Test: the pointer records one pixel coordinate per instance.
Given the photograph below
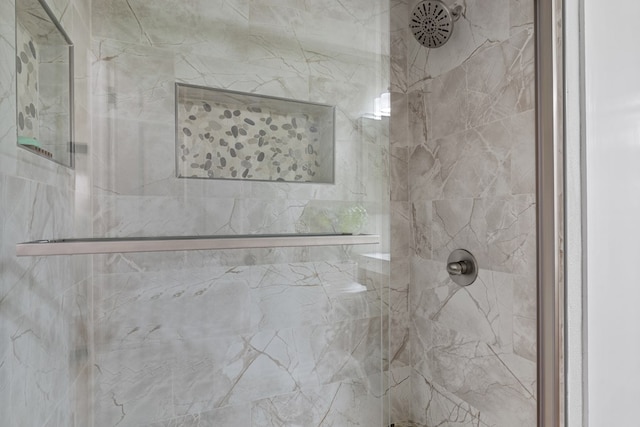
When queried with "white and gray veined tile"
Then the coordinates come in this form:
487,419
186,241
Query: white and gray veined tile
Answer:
132,309
228,416
352,403
482,376
482,311
399,339
473,163
132,81
292,295
492,85
399,135
134,386
421,226
500,232
399,166
400,394
434,405
525,317
521,15
142,151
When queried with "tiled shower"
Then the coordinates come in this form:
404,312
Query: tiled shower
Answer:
370,335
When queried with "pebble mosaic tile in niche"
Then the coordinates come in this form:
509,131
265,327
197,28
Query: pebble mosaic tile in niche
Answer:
27,75
227,135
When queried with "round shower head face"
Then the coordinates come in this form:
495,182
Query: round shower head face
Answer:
431,23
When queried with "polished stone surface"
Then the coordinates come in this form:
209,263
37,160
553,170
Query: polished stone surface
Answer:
470,136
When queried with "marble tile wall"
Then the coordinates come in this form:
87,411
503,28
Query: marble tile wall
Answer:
286,343
44,302
462,168
281,337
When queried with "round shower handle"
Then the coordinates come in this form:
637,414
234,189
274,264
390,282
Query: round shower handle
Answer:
462,267
458,268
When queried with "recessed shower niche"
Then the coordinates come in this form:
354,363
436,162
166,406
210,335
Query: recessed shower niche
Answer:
222,134
44,56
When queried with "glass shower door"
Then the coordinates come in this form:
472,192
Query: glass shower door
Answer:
218,119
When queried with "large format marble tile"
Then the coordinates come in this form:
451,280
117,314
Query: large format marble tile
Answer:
421,226
180,377
473,163
434,405
229,416
399,321
355,403
481,311
399,160
499,232
481,375
492,85
132,81
401,396
142,152
525,317
399,33
399,135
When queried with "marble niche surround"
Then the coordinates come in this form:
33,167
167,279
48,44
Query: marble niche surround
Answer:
462,138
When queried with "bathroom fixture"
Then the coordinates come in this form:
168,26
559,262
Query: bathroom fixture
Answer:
432,22
462,267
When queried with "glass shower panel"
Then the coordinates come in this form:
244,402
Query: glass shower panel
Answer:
244,336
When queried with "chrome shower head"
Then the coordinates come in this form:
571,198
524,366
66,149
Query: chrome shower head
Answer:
432,22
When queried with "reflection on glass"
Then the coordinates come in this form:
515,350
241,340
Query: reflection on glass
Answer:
43,70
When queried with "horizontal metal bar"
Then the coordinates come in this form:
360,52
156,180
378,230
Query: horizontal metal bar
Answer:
188,243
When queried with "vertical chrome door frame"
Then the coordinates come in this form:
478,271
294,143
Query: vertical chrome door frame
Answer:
549,183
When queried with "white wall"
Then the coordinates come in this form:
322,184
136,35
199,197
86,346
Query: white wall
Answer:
612,108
